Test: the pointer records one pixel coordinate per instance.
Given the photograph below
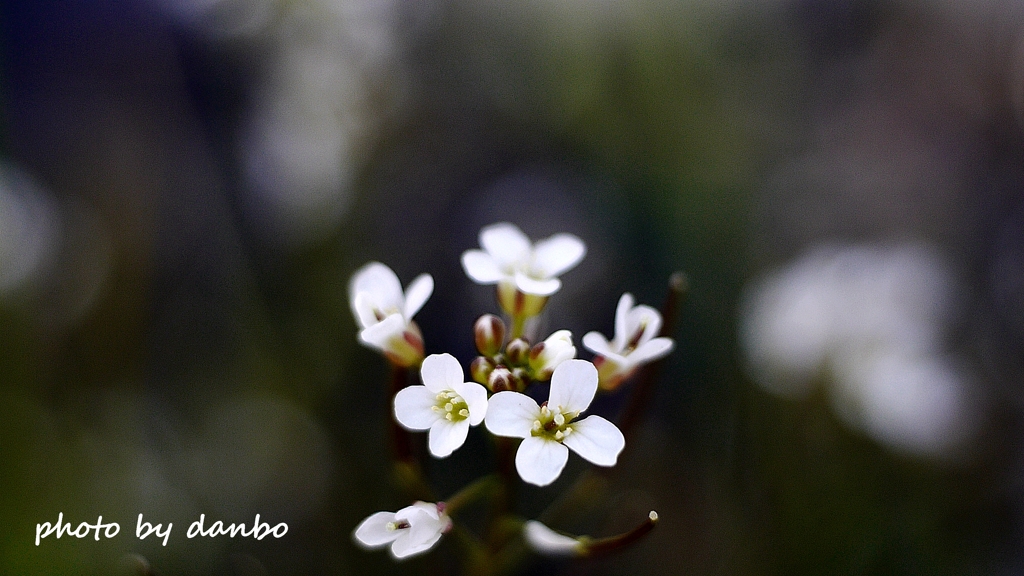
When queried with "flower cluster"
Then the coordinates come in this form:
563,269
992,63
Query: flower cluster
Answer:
446,405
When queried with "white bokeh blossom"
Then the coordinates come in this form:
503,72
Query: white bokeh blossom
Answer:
870,323
445,404
384,312
526,273
550,430
636,342
412,530
549,354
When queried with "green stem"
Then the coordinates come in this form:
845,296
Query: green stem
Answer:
471,493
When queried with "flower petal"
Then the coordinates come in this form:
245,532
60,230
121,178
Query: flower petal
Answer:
475,396
381,334
573,386
414,408
505,242
373,531
363,309
417,293
441,372
540,461
379,281
529,285
622,321
547,541
644,316
597,343
651,350
557,254
415,540
596,440
481,267
511,414
445,437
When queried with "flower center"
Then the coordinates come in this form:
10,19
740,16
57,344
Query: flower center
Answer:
400,525
553,424
635,340
452,406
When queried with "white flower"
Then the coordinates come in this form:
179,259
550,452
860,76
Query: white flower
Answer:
526,274
411,530
547,430
547,355
547,541
635,343
446,404
385,313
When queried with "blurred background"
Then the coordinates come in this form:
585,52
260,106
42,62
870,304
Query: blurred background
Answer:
187,185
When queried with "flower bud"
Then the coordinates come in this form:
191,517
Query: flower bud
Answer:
547,355
481,369
518,351
489,332
520,379
500,380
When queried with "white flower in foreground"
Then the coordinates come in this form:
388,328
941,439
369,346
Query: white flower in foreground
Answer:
549,354
636,342
546,541
411,530
547,430
446,404
526,273
385,313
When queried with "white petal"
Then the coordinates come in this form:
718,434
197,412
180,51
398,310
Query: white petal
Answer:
597,440
573,386
440,372
644,316
380,334
547,541
557,254
418,538
475,396
446,437
540,461
597,343
481,267
417,293
651,350
511,414
379,281
414,408
373,531
413,512
529,285
622,321
363,306
505,242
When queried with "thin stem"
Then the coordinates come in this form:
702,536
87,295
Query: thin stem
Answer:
471,493
401,441
602,546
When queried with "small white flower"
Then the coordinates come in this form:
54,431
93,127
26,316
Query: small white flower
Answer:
635,343
526,273
547,541
385,313
446,404
412,530
547,430
547,355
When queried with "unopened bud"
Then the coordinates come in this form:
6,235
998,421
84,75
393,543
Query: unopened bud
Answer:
481,369
500,380
489,332
518,351
520,379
